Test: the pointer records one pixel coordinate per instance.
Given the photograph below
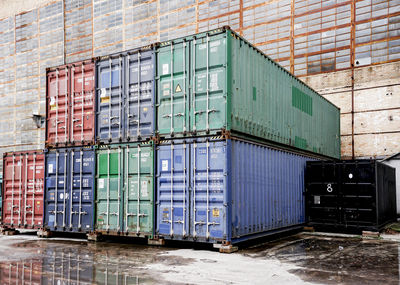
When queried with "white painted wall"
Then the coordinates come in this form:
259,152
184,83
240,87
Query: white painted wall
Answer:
395,162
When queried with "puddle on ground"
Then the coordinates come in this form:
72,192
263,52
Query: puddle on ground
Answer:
336,260
66,262
311,259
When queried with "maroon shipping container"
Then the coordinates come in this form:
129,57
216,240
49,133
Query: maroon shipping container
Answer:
23,189
70,105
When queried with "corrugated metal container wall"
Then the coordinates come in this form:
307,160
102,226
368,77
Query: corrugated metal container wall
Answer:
21,272
121,117
70,105
23,189
69,193
355,195
125,189
227,190
216,81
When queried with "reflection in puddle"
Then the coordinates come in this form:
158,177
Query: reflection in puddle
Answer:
72,264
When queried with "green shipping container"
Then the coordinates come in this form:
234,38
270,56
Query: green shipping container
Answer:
216,81
125,189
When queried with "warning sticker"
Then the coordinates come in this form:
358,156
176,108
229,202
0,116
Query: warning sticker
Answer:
317,200
178,89
104,98
53,105
215,212
164,165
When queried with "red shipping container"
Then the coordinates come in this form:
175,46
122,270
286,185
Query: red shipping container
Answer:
23,189
70,105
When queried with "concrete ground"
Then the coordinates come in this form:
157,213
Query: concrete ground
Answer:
298,259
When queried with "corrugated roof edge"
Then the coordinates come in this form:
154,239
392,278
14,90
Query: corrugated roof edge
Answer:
85,61
228,28
10,153
129,51
390,157
269,144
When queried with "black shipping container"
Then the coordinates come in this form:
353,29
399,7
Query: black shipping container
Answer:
357,195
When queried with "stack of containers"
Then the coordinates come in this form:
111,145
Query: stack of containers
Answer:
125,151
201,138
235,131
70,156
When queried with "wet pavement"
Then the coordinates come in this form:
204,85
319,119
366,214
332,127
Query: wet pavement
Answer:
299,259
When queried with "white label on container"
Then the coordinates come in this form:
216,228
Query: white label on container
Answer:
143,189
103,92
165,68
61,196
51,168
101,183
317,200
214,81
164,166
52,101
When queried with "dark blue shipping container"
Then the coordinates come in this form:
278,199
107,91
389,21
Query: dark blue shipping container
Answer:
69,189
214,190
125,96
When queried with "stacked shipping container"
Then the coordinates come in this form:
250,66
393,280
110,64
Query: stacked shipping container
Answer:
200,138
23,189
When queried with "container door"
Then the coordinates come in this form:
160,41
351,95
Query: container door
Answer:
358,193
139,206
140,100
173,86
208,214
34,203
173,190
110,96
82,179
323,193
57,107
57,192
109,190
82,104
208,111
13,189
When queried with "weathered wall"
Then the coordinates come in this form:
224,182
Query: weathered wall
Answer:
347,50
370,107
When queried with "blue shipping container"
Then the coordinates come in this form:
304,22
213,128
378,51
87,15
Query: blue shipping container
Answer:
227,190
69,189
120,80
